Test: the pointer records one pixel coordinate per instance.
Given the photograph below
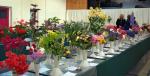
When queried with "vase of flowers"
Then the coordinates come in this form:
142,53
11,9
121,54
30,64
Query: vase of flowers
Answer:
99,41
121,38
84,44
97,19
35,56
53,43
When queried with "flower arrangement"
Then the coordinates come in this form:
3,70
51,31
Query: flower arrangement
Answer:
111,27
54,23
112,32
136,29
73,30
98,39
35,52
15,54
14,62
83,41
97,19
13,43
122,33
53,43
19,30
130,33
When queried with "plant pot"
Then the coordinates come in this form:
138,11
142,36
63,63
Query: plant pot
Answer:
84,62
56,71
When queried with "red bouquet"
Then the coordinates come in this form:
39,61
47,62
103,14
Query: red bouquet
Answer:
122,33
13,43
16,63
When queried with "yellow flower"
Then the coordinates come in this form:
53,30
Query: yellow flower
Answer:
77,38
102,41
68,52
51,33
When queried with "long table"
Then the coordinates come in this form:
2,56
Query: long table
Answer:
120,64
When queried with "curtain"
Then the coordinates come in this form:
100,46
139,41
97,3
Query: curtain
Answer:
142,14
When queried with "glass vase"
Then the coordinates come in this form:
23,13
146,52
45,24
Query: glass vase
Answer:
116,45
93,51
84,62
101,52
56,71
36,68
111,50
98,49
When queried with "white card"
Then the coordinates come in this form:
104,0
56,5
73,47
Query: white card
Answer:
90,60
69,74
93,64
43,70
109,56
72,68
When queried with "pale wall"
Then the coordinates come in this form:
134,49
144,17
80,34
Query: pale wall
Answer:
20,9
49,8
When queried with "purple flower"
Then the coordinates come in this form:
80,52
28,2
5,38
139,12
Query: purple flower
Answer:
36,55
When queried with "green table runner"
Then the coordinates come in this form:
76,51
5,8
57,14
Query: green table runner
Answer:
120,64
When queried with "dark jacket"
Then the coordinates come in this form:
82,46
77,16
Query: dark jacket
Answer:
127,25
120,22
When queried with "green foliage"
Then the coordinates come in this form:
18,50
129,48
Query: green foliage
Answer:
53,43
76,29
96,23
109,19
54,20
36,33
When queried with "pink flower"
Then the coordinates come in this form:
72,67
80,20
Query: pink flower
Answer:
111,27
97,38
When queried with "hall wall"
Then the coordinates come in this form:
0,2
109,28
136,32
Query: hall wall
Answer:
20,9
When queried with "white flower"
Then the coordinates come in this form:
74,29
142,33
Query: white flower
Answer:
28,39
42,50
27,47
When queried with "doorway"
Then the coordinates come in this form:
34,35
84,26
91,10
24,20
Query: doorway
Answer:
4,17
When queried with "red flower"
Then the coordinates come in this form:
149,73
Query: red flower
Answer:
34,46
13,43
17,63
121,32
1,32
11,30
111,27
20,30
